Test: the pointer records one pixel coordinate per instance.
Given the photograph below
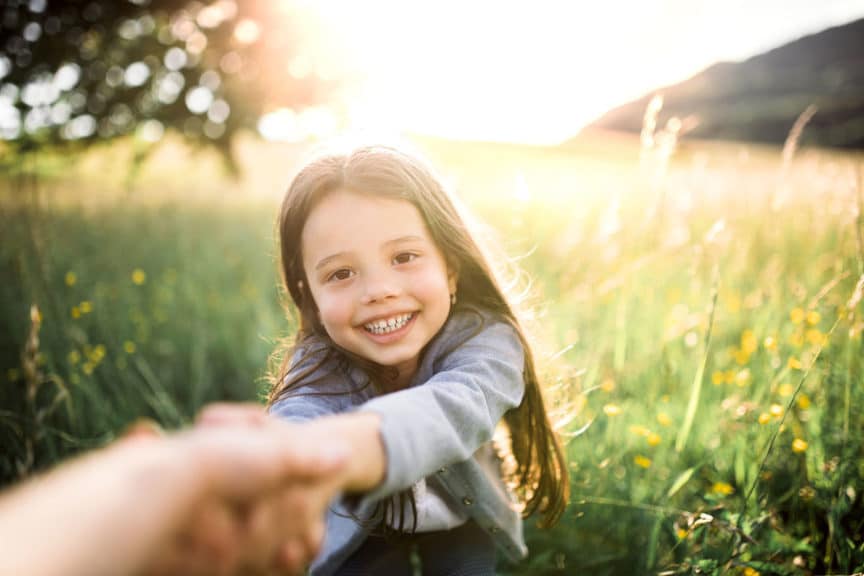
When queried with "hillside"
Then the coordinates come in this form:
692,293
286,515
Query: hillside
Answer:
759,99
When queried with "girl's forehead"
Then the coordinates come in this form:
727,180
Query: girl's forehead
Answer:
345,219
370,204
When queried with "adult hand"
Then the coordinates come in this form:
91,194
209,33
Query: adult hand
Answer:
296,513
276,527
128,508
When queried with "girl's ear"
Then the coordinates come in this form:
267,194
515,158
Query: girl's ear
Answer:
452,278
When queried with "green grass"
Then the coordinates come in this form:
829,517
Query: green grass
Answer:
624,267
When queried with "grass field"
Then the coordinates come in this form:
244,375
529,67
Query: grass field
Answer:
696,315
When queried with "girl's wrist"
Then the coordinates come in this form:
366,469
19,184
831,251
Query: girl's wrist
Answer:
361,432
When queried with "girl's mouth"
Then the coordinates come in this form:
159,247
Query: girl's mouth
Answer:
389,325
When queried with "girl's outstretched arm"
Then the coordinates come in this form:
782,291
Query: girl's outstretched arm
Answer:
398,438
452,414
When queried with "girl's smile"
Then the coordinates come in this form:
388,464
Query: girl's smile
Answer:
380,284
390,326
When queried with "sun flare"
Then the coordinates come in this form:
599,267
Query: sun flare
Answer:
503,71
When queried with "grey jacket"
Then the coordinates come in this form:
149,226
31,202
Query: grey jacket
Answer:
469,376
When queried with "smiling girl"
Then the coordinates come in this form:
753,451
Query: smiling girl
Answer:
406,335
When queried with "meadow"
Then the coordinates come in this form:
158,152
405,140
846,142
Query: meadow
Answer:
696,311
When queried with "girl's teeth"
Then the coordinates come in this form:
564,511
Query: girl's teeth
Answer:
389,325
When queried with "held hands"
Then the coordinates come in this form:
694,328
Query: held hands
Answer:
261,510
295,514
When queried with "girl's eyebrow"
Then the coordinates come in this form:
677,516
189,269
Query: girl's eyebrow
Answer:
402,239
324,261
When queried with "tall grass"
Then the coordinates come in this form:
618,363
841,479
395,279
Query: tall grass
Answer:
155,307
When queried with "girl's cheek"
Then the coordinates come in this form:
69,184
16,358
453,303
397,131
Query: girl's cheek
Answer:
333,313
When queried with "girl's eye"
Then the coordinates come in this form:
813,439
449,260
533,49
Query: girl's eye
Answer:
404,257
341,274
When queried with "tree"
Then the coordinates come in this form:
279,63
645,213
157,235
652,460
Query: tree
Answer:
76,72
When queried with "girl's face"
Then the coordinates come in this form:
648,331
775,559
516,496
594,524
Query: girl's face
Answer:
381,285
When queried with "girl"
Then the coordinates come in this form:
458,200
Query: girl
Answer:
405,331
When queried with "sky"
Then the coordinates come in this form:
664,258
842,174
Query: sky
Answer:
536,72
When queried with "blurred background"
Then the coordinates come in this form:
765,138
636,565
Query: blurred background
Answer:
680,184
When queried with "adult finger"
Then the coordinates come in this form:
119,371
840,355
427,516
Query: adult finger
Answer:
143,428
291,558
227,413
215,532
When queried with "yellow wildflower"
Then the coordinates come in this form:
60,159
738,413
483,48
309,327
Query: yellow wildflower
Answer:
76,312
794,363
87,368
815,337
813,317
681,533
608,385
86,307
70,278
797,339
799,446
129,347
749,343
786,390
797,315
776,410
642,461
74,357
722,488
654,439
748,571
764,418
639,430
612,409
729,376
97,354
770,344
663,419
717,377
138,277
741,357
742,378
803,402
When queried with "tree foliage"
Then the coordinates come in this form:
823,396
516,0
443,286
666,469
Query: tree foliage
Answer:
76,72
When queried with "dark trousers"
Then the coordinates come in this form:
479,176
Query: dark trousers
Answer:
463,551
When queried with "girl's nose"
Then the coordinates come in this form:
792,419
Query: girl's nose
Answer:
379,288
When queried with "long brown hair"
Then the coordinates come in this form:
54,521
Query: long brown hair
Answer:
540,477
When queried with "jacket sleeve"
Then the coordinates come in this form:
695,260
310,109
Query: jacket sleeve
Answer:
302,406
318,394
448,417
